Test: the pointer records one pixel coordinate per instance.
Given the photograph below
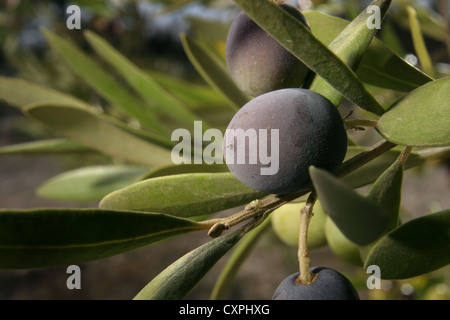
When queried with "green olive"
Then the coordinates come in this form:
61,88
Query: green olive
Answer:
341,245
286,224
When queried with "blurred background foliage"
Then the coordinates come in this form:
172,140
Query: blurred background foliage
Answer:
148,33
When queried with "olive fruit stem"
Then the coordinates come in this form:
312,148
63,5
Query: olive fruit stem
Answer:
306,213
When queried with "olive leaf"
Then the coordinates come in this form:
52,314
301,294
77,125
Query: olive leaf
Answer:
21,93
184,195
350,46
195,96
47,146
297,39
141,82
183,168
90,183
419,42
360,219
379,66
237,258
386,191
178,279
48,237
418,246
421,118
96,132
94,75
369,172
214,73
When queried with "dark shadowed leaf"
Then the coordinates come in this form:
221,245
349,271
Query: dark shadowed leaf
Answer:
361,220
178,279
48,237
237,258
417,247
369,172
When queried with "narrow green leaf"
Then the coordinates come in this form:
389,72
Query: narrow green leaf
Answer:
379,66
213,72
350,46
211,33
178,279
95,132
184,195
369,172
361,220
49,237
49,146
195,96
298,40
417,247
421,118
90,183
103,83
237,258
432,23
184,168
141,82
20,93
386,191
419,42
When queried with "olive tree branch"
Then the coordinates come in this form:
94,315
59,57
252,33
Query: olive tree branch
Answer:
259,209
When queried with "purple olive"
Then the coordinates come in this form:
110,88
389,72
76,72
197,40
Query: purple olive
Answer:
328,284
256,62
273,139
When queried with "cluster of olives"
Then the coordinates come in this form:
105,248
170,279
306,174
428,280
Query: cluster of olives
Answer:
309,129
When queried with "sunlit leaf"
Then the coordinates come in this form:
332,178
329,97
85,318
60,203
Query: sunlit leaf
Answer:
20,93
49,237
184,168
421,118
184,195
104,83
48,146
90,183
141,82
97,133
